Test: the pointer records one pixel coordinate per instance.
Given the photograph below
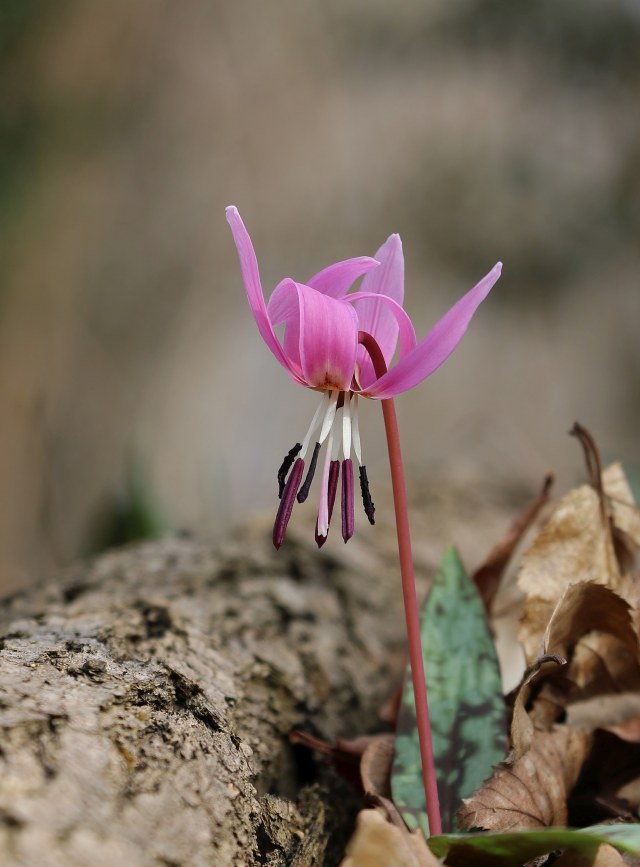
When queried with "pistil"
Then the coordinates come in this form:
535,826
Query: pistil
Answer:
348,515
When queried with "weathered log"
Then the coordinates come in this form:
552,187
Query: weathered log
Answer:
146,699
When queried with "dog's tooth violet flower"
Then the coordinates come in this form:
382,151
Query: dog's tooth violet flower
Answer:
320,349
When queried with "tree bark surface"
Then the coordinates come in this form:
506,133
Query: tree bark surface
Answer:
147,696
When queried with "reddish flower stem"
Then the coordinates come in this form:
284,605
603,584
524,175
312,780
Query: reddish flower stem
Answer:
408,591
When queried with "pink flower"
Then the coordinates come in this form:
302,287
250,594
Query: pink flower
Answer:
320,350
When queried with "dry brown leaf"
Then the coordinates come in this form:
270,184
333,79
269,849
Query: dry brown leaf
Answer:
375,766
619,714
522,727
574,545
584,608
591,630
377,843
592,627
533,791
488,576
594,529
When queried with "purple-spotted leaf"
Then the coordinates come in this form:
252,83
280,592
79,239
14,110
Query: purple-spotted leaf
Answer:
465,701
511,849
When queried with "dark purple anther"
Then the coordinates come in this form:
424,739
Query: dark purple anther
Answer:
285,467
332,485
303,493
367,502
286,502
348,515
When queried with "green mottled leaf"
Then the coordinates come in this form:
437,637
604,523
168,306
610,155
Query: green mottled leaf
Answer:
465,701
517,847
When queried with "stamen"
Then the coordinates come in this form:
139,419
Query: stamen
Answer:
367,502
303,493
348,516
329,416
355,428
315,421
286,503
286,466
346,428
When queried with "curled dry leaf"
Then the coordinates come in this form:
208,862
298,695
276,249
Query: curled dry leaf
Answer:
375,766
487,577
532,792
575,545
586,607
377,843
590,647
521,723
591,537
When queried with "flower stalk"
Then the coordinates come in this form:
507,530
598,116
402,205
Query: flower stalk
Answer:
409,594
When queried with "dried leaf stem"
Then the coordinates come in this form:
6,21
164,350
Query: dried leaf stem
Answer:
412,613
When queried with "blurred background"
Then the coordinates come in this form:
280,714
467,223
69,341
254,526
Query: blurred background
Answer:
135,392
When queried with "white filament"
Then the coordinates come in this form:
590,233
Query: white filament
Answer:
329,416
346,427
315,421
355,430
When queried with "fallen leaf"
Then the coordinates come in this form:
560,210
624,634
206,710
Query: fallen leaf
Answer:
591,629
466,705
619,714
375,766
487,577
377,843
522,728
574,546
586,607
533,791
591,537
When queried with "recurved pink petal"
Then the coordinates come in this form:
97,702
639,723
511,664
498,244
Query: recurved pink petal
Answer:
376,317
284,307
253,287
337,279
328,339
436,347
388,279
403,328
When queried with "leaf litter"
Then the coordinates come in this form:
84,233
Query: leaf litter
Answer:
565,789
